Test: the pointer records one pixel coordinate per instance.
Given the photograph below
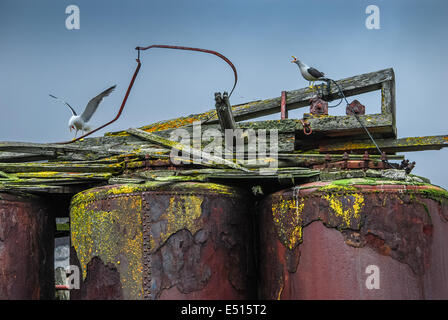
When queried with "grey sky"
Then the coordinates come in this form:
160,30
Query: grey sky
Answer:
38,56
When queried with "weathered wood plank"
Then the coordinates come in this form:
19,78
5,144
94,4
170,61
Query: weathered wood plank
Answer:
47,182
60,167
300,98
49,151
42,189
25,157
387,145
65,175
295,99
379,125
198,154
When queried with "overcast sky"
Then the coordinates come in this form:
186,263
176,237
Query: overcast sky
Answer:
39,55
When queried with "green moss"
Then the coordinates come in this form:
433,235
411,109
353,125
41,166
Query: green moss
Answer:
438,194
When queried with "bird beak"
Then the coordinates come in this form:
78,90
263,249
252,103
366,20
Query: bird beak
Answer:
70,129
295,59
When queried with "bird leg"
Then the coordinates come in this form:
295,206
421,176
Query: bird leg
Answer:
311,84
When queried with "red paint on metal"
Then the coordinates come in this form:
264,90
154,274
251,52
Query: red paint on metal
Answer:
102,283
355,108
61,287
26,248
284,111
398,230
318,107
352,164
214,261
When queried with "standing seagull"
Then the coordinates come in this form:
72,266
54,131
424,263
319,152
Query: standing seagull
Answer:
80,122
309,73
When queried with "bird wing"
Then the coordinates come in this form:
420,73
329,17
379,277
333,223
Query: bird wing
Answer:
60,100
315,73
93,104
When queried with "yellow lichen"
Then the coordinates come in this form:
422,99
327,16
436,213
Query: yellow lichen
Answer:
355,203
287,216
113,236
183,212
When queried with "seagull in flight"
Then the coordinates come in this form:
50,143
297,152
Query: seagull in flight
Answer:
309,73
79,122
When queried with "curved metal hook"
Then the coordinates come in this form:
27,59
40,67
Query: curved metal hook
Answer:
196,49
135,75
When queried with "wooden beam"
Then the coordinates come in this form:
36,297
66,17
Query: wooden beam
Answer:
65,175
387,145
43,189
25,157
48,149
197,154
294,99
300,98
59,167
379,125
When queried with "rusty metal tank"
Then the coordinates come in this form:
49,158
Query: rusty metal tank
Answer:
26,248
163,241
354,239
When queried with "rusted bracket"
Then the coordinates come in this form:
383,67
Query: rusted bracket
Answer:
224,111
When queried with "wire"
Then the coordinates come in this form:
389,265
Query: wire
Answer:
341,93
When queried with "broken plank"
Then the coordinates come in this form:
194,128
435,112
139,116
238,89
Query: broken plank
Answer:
65,175
25,157
197,154
50,148
42,189
59,167
48,182
387,145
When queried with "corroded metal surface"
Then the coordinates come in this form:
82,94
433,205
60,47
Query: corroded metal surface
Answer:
26,248
355,108
318,106
164,241
316,241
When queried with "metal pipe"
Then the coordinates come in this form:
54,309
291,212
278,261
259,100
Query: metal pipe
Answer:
196,49
135,75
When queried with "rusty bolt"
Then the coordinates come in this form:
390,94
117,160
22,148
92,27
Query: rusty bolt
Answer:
355,108
318,106
366,156
410,167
